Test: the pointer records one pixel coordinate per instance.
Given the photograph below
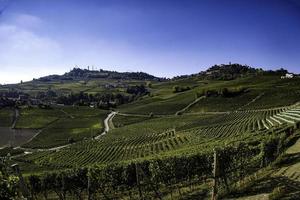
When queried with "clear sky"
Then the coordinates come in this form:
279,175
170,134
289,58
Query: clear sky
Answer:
161,37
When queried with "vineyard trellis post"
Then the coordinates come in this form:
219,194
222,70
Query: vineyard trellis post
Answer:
138,182
22,184
214,195
89,187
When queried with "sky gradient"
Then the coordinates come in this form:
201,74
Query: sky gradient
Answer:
162,37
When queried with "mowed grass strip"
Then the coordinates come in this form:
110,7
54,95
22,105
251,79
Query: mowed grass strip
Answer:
124,120
158,105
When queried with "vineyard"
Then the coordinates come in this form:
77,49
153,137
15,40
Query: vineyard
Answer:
146,149
165,175
144,139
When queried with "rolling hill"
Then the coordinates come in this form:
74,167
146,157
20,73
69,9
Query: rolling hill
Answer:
163,137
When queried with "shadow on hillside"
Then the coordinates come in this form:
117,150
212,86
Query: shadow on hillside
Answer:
289,159
268,184
201,195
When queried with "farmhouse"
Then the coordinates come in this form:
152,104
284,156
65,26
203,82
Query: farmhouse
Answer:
287,76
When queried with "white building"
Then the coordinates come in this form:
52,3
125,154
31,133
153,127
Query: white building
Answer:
287,76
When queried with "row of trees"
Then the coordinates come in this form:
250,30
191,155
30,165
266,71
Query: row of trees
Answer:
5,102
177,89
103,100
223,92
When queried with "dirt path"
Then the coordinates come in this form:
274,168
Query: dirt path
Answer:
107,121
68,114
252,101
190,105
15,118
41,130
111,123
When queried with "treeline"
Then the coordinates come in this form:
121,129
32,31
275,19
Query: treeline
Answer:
103,100
232,71
223,92
5,102
152,178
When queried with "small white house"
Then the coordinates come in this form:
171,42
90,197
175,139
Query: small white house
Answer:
287,76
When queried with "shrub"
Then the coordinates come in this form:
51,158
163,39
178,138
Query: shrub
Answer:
277,193
8,183
178,89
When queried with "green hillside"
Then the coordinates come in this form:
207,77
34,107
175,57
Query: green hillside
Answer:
163,140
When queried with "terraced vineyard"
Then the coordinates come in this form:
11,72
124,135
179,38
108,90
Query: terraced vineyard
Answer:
108,150
145,139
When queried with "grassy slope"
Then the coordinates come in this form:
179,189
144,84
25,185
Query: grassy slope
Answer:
120,121
284,93
35,118
6,117
261,88
75,123
163,100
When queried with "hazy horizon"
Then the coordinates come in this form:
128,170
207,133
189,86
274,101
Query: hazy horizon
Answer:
162,38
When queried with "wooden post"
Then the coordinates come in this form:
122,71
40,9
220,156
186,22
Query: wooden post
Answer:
138,182
297,125
22,184
214,195
89,188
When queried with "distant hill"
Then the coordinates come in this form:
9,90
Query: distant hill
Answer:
233,71
85,74
106,89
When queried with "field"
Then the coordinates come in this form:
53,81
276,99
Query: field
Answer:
9,136
6,116
61,124
45,128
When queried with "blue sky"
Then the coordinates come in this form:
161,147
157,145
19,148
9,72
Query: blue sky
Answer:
161,37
